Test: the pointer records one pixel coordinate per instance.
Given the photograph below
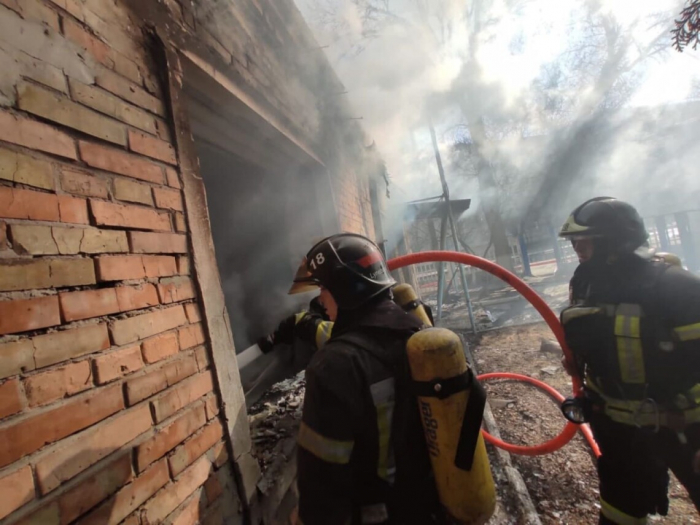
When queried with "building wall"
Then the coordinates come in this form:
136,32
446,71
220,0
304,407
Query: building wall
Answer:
110,403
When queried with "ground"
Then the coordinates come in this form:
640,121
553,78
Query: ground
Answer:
563,485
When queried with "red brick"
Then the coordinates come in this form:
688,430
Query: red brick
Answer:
143,242
180,224
202,357
34,10
151,147
118,364
68,380
218,454
23,437
129,498
189,512
87,304
85,184
129,92
35,135
175,289
73,210
80,36
160,347
29,314
195,447
192,311
145,386
134,519
191,335
125,331
212,406
183,394
56,347
136,297
117,161
126,216
16,203
131,191
169,437
95,489
213,488
17,489
16,357
183,265
27,274
11,398
173,178
126,67
159,265
168,199
71,457
3,236
167,500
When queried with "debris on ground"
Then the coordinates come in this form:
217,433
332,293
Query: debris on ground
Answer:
563,485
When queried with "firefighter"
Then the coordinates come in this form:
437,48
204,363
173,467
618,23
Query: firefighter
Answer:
362,456
633,327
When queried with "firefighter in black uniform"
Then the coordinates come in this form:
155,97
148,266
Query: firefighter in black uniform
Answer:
634,331
362,456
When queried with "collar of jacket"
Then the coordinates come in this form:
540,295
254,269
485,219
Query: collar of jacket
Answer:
382,314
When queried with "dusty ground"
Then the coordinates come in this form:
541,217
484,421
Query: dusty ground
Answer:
564,484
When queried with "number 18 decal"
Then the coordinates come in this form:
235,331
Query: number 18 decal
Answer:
317,261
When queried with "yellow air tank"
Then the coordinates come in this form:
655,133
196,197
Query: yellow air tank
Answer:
670,258
444,385
406,297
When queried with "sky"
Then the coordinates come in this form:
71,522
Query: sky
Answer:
389,81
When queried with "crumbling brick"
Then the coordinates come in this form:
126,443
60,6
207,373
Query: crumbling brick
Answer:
129,92
168,199
46,387
183,265
195,447
144,242
169,437
191,336
193,314
180,224
73,210
95,489
218,454
189,511
22,315
126,216
35,135
11,398
59,109
118,364
182,395
27,170
128,499
79,183
166,501
125,190
26,274
136,297
121,268
17,489
202,357
125,331
140,388
175,289
151,147
16,203
160,347
17,357
55,240
29,434
91,44
117,161
159,265
212,406
109,104
126,68
56,347
173,178
69,459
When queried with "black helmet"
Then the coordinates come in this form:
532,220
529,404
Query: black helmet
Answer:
351,267
615,221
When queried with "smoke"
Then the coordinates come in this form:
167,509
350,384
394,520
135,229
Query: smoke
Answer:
560,100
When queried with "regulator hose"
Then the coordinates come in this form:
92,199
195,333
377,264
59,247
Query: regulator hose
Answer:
550,318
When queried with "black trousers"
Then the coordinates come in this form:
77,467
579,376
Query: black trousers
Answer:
633,468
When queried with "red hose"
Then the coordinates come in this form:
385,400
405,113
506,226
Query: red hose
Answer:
550,318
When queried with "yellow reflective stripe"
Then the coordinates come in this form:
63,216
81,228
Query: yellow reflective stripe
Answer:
298,317
629,346
578,311
323,333
688,332
325,449
383,395
618,516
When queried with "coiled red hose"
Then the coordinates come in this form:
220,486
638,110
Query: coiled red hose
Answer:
550,318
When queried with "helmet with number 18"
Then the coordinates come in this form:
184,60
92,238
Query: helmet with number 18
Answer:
350,266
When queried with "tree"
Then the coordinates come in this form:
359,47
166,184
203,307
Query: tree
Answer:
687,30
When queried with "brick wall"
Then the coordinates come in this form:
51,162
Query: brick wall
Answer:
108,408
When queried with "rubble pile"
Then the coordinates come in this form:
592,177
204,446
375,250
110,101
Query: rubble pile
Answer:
274,421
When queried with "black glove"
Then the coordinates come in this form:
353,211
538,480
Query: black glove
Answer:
266,344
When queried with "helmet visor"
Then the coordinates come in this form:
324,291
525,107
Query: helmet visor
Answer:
303,280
